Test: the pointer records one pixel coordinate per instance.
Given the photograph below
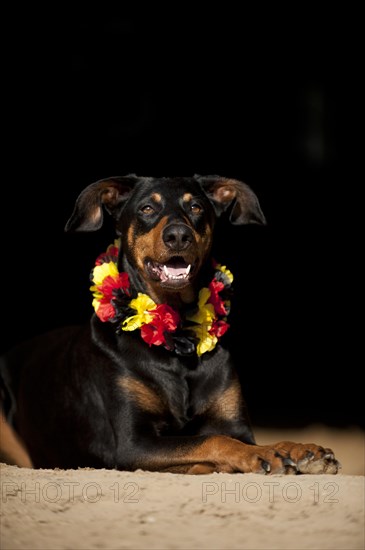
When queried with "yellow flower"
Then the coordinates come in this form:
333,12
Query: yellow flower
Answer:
205,314
141,304
102,271
226,271
207,342
96,300
204,318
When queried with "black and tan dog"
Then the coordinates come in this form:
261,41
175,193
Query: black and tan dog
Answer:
100,396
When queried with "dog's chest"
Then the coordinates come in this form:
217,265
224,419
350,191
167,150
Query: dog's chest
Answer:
174,393
186,399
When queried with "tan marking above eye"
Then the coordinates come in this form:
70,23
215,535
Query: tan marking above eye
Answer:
156,197
187,197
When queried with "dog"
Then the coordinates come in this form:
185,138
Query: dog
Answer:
148,383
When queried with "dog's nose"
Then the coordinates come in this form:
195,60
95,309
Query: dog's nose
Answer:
177,236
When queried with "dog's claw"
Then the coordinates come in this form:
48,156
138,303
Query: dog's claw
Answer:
289,462
266,466
329,456
289,466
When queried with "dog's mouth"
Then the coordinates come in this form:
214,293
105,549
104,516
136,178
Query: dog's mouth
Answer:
174,273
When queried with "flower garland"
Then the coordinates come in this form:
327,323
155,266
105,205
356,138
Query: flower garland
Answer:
198,331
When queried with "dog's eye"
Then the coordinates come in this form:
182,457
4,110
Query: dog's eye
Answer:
147,209
195,208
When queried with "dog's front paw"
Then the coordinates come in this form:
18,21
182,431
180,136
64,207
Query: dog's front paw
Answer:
310,458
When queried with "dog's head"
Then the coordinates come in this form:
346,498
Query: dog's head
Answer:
165,224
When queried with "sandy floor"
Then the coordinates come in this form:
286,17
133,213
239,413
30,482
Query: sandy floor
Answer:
106,509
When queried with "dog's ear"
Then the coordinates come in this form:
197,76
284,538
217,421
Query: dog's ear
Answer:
225,193
110,193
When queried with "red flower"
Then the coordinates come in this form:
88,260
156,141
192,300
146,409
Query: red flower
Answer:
110,283
167,316
105,311
219,328
153,334
123,282
215,287
165,319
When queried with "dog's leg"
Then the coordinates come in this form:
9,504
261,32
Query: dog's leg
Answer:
200,454
219,453
12,450
206,454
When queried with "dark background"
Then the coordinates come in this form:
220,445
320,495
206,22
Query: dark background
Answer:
269,99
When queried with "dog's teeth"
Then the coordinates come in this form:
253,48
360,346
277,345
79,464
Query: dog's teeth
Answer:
168,272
